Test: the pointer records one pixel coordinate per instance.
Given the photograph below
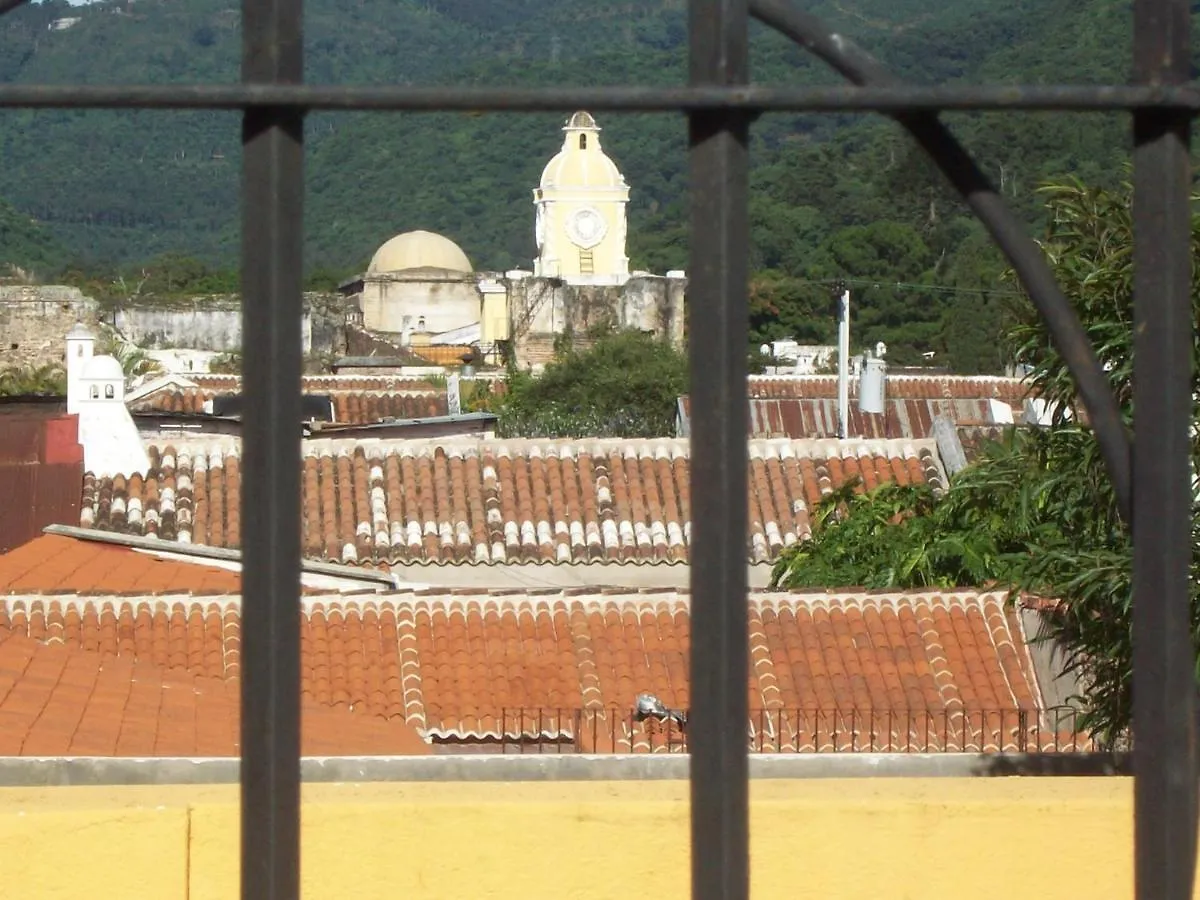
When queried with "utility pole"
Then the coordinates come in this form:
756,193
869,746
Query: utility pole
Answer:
843,301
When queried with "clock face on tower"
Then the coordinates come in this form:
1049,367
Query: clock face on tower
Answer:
586,228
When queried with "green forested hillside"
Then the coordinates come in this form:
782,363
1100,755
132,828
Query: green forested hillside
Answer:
25,245
834,196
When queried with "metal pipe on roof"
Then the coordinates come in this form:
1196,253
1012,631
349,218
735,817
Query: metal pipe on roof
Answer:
844,364
201,551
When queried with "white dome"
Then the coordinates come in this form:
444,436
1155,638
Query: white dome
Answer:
419,250
581,168
80,331
103,368
582,162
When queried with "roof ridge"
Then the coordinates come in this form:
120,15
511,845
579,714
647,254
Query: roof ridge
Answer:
505,596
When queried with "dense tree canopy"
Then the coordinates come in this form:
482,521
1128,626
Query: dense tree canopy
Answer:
1036,513
623,384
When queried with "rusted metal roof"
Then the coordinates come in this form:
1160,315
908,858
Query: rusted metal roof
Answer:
802,407
41,473
818,418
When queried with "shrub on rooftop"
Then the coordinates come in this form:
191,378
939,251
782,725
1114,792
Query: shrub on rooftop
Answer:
624,384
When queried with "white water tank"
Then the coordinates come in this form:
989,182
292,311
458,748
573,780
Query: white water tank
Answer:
871,385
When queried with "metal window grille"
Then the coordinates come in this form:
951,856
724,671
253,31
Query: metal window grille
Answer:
1153,487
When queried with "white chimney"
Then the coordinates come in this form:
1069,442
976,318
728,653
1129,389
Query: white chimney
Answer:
81,345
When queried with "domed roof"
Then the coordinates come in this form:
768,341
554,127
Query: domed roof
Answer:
582,162
103,367
79,330
582,168
581,121
419,250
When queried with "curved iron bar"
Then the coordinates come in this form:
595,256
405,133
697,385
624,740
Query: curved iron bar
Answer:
968,179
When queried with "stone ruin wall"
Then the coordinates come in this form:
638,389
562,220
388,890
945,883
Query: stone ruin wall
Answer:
215,323
35,319
543,308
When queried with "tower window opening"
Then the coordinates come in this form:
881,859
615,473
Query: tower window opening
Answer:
109,393
586,263
95,392
583,142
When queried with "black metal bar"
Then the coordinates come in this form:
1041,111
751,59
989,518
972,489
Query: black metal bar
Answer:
893,98
272,263
718,335
1164,681
973,185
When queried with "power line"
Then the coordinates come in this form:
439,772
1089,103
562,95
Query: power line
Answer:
907,286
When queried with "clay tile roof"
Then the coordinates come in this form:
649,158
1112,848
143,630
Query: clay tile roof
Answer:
55,564
914,661
61,700
323,384
830,671
498,502
350,407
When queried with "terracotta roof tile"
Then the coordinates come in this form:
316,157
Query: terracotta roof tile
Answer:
497,502
840,671
61,700
349,407
55,563
357,399
320,384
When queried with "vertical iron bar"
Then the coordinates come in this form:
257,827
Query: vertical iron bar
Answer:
1164,686
272,246
718,337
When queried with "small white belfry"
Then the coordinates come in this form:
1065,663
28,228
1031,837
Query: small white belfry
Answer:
80,346
96,394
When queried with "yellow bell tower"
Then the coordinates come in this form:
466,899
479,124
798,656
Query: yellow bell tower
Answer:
580,206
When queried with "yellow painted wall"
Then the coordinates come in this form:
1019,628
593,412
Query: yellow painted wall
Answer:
562,257
494,318
897,839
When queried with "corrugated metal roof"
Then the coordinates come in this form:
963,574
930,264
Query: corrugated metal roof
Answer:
802,418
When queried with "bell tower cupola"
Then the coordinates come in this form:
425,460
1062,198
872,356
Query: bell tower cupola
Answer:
580,209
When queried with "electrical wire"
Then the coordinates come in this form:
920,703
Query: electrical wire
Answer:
908,286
